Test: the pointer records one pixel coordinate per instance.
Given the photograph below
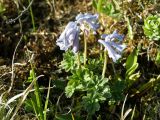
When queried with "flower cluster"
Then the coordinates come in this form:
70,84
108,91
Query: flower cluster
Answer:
70,36
88,22
113,47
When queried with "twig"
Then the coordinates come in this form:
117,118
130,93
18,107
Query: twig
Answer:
5,74
13,20
57,104
13,75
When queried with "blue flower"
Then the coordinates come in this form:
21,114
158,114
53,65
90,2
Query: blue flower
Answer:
114,48
69,38
88,21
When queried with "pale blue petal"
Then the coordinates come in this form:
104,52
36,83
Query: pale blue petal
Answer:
93,26
113,47
103,36
118,47
111,52
69,36
117,36
75,48
87,18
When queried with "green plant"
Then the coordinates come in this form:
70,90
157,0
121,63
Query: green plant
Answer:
35,101
11,105
69,61
97,89
152,27
85,76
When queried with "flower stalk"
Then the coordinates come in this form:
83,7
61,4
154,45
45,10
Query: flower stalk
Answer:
105,64
114,70
101,52
85,50
78,60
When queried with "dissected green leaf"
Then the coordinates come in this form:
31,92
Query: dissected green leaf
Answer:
68,62
69,90
90,105
97,89
152,27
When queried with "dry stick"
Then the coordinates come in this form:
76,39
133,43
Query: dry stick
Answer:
13,20
13,75
20,23
5,74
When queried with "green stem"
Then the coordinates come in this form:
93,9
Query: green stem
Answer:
114,70
38,97
99,6
47,99
85,50
101,49
105,64
79,61
32,17
39,109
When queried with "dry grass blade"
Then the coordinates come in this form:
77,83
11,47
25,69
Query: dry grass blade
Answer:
133,112
13,75
25,93
123,116
127,113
